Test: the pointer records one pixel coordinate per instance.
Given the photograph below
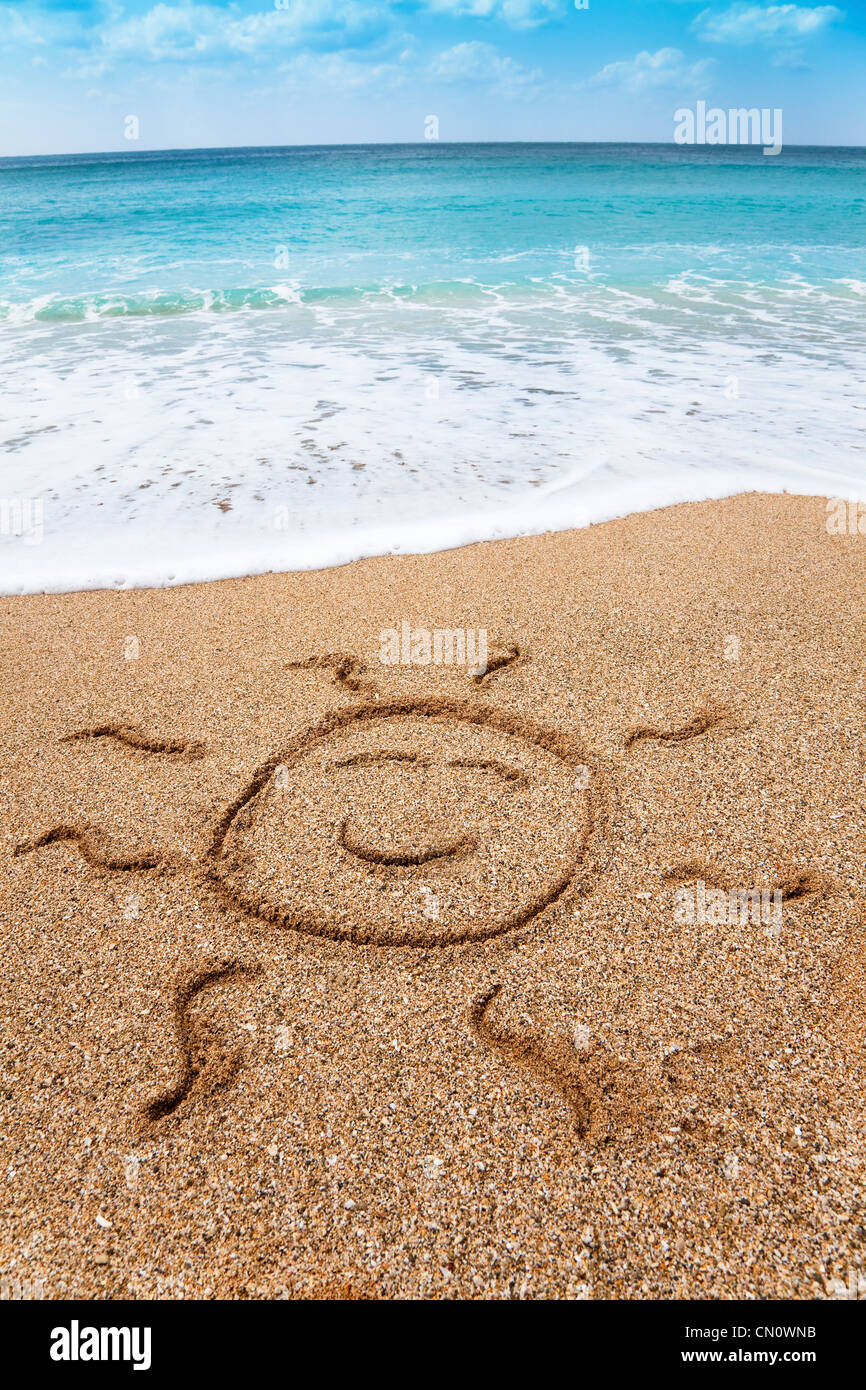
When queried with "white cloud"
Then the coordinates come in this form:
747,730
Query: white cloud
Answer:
190,31
104,32
744,24
479,62
518,14
665,68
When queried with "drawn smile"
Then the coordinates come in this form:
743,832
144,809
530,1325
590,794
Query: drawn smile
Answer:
406,858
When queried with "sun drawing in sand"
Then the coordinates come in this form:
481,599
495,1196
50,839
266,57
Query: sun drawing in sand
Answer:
474,824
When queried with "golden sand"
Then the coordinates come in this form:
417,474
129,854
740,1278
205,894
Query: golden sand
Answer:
329,977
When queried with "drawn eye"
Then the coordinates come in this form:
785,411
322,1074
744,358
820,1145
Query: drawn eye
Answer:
508,774
383,757
378,757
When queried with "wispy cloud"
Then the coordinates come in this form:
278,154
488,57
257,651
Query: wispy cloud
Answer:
668,67
196,30
750,24
196,33
481,64
171,32
518,14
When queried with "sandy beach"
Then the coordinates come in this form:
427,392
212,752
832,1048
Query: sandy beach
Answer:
329,976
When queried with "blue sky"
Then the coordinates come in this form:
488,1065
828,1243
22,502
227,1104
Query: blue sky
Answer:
208,73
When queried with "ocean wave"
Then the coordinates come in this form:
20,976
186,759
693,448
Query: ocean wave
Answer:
82,308
587,290
87,308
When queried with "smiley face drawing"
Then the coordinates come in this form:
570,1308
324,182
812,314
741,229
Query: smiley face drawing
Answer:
398,823
413,823
417,823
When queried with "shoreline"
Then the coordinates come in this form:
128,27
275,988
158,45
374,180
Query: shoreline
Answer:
564,507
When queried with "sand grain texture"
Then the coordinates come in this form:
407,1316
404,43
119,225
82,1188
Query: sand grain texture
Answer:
329,978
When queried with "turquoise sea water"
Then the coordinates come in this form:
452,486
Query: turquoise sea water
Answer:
173,231
436,335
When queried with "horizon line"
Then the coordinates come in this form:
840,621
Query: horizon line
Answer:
406,144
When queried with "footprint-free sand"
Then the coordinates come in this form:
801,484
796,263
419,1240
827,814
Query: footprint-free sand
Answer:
325,976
